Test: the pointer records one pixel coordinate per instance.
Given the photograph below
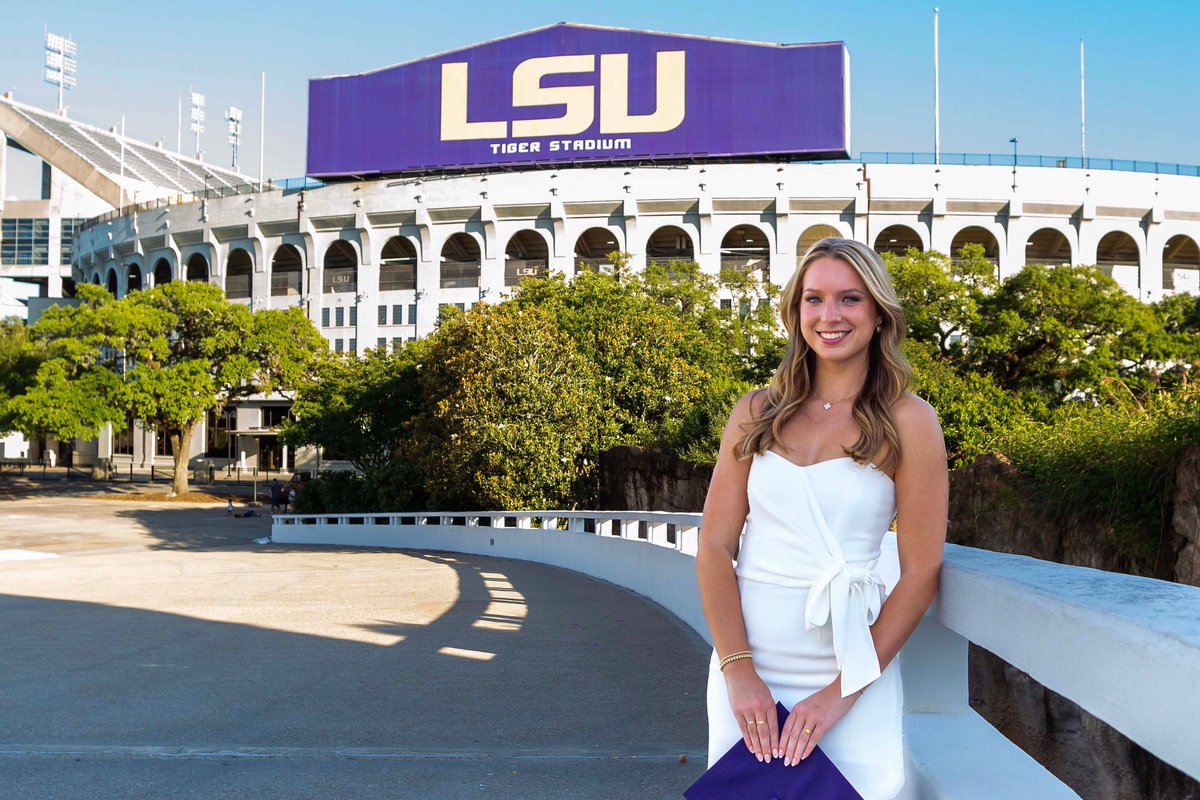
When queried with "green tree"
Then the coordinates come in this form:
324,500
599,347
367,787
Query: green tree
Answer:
749,333
512,415
699,437
166,356
1180,313
940,295
654,361
1180,318
1058,330
20,358
975,413
360,407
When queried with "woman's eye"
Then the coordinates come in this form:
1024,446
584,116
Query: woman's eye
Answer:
812,299
852,299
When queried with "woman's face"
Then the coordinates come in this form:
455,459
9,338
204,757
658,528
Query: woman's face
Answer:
838,315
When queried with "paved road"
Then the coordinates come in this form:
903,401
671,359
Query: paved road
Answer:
161,653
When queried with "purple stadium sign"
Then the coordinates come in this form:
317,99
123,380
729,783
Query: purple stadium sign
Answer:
575,93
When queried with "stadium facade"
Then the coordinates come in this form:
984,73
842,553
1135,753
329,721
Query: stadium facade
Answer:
446,180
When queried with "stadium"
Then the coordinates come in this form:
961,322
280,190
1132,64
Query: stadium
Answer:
446,180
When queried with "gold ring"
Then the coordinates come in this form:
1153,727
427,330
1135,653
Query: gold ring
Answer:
808,730
760,722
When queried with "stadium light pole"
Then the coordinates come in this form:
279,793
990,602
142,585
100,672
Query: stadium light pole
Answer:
233,115
197,124
61,65
204,199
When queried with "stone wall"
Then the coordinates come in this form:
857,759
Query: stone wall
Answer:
633,479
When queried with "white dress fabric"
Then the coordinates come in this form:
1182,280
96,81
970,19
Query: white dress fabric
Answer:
810,589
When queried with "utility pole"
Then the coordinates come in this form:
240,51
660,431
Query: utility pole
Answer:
937,95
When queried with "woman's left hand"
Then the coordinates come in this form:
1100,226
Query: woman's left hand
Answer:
810,720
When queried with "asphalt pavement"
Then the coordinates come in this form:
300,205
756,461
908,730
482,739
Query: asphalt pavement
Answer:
154,650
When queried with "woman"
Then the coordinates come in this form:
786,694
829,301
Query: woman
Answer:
816,466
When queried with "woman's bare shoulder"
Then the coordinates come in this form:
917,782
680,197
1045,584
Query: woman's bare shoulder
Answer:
913,410
917,424
749,405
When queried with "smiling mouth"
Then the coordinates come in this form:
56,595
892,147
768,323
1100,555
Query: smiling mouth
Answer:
833,336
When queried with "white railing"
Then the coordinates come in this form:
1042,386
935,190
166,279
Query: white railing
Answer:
1126,649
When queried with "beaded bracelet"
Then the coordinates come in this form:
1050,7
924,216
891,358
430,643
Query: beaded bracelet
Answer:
735,657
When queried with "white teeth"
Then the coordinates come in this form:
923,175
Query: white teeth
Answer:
830,337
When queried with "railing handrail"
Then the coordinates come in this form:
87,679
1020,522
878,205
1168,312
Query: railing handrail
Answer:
1123,647
1023,160
684,519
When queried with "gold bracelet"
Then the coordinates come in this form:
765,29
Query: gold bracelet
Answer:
735,657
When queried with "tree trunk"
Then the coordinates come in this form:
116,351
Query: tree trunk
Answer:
181,445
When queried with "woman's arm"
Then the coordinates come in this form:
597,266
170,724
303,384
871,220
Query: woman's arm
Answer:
922,506
922,502
725,510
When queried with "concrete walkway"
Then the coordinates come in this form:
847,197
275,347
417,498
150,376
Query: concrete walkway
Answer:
161,653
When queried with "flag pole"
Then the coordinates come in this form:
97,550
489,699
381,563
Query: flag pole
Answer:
1082,107
937,95
262,134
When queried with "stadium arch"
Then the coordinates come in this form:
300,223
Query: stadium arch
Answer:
899,237
526,255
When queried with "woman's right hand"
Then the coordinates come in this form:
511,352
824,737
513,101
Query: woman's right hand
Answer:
753,708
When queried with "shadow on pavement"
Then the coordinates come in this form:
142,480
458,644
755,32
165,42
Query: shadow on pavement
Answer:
529,660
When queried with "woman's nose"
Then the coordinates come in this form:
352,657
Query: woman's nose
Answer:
830,312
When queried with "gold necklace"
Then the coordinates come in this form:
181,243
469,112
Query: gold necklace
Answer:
828,405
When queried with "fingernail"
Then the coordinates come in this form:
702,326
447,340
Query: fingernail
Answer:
787,762
768,758
758,756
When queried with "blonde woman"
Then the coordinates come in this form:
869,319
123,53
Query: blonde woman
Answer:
816,466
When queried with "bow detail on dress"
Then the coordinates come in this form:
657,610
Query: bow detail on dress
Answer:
850,598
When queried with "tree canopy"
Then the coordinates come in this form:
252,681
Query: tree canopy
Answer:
20,357
1060,330
360,408
512,414
940,295
165,356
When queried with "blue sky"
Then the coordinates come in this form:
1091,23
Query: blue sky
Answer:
1008,68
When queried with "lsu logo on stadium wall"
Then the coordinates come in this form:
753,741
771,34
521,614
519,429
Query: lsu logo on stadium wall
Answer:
570,93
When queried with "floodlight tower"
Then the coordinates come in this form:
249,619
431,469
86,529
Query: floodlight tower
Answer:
197,126
233,115
61,65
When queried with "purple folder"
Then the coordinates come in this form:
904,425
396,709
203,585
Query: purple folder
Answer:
738,774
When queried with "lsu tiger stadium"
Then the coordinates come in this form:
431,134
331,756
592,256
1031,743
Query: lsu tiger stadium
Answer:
446,180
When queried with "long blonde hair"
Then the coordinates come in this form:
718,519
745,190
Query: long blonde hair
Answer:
888,372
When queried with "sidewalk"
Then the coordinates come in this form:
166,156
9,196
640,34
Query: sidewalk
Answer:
158,652
76,482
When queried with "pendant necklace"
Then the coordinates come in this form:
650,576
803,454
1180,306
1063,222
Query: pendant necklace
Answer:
829,405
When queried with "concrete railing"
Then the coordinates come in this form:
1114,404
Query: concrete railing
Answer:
1125,649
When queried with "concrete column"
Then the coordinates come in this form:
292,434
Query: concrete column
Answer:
3,168
704,237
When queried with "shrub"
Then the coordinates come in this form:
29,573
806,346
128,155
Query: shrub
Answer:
1113,463
334,493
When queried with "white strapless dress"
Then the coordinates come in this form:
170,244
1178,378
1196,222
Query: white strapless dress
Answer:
809,576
